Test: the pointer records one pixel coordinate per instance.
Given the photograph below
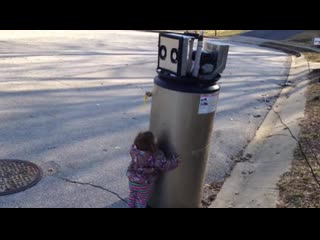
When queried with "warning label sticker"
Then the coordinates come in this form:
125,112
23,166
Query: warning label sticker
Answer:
208,103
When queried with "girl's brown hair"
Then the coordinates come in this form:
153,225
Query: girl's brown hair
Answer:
145,141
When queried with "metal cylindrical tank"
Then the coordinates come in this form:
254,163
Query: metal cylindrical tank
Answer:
182,115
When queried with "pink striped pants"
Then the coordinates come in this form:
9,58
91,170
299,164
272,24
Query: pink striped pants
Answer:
138,195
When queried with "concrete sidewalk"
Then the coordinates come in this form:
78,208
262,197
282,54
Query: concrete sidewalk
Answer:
253,182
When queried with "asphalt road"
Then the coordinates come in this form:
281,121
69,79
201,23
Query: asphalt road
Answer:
272,34
72,102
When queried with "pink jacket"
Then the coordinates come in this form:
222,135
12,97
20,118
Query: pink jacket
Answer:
145,166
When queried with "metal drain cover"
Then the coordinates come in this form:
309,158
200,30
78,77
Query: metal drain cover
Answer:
17,176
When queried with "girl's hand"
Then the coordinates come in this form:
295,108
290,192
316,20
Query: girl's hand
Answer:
178,159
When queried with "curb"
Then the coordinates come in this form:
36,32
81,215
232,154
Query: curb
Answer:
286,47
253,183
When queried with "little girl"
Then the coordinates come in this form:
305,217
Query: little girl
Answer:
147,162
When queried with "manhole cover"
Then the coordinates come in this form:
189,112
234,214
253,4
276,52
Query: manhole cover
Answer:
17,176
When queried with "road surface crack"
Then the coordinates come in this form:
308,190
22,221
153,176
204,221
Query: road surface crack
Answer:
95,186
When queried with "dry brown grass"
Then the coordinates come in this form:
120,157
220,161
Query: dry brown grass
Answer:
298,189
